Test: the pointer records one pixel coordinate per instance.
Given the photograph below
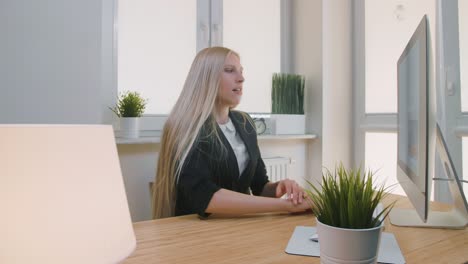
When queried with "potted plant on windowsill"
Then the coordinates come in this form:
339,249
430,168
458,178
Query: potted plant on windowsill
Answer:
129,108
287,104
344,204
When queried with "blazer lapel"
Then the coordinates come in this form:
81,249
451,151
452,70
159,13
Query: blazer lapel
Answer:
232,160
248,139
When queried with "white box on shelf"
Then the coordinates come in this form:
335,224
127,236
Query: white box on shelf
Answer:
287,124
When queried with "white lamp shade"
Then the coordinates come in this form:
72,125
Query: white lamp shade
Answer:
62,197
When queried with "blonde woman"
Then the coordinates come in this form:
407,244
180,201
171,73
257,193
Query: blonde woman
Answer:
209,160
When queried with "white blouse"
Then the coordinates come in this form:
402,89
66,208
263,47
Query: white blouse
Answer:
237,145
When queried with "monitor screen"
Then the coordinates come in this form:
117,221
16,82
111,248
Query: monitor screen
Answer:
412,119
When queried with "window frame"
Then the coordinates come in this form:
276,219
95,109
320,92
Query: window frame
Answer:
209,33
387,122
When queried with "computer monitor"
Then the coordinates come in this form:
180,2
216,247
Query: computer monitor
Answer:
418,138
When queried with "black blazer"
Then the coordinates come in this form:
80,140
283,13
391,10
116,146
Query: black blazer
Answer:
208,168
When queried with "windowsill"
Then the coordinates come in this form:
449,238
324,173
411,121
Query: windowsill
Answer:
285,137
140,140
157,139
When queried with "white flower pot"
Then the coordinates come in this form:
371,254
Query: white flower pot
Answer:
287,124
129,127
346,246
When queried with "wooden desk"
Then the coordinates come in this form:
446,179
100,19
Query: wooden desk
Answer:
263,239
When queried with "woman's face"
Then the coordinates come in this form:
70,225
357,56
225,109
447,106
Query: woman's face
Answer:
230,90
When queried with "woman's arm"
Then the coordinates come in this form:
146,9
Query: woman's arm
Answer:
228,202
269,189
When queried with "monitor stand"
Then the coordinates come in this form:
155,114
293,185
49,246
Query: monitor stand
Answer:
457,218
408,217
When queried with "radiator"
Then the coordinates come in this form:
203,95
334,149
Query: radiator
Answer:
277,168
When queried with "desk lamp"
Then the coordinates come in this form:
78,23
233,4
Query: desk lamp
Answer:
62,197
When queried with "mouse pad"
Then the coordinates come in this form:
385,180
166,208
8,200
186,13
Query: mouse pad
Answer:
300,244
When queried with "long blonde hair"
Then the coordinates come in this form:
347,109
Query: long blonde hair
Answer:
193,108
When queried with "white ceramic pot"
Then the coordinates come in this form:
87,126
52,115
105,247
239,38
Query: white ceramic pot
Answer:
129,127
287,124
348,246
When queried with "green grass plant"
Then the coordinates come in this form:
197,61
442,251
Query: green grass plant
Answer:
287,94
347,199
129,104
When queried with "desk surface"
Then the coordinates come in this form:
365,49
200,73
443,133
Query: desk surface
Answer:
263,239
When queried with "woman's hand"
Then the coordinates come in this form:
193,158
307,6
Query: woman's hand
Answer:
296,198
300,207
293,191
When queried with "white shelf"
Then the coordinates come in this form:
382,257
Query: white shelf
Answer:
140,140
157,140
285,137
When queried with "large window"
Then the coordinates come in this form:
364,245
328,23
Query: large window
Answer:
156,44
158,39
454,72
380,154
463,38
387,26
256,37
465,163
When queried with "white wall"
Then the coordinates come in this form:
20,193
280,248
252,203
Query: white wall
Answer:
51,59
337,129
307,60
139,162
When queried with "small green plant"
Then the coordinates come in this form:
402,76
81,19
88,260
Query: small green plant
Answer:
287,94
347,199
129,104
